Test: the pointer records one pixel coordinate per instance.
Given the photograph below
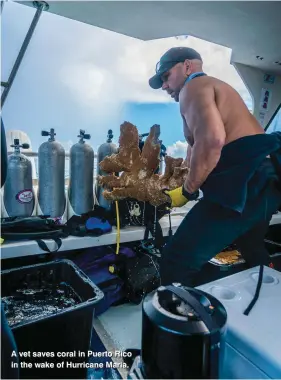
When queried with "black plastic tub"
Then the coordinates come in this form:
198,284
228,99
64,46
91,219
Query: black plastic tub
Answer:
50,309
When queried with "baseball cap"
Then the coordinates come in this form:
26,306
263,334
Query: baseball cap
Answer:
170,59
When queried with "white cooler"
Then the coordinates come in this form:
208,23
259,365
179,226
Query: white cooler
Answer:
253,342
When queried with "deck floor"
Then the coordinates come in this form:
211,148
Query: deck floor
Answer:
123,325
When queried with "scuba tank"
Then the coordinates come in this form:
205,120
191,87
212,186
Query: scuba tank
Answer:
161,168
51,181
163,154
106,149
80,191
4,154
18,198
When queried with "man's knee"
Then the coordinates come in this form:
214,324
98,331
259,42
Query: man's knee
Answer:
177,266
184,275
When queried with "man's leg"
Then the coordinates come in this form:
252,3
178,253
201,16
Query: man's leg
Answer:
206,230
252,247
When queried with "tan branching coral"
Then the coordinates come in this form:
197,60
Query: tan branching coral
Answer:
137,179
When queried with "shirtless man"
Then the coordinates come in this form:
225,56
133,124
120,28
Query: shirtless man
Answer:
227,157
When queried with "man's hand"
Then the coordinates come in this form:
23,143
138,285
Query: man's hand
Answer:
179,196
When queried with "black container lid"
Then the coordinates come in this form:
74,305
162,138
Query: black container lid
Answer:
185,310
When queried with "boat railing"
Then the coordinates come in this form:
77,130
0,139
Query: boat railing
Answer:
35,154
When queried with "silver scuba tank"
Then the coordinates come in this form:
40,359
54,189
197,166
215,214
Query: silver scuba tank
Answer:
106,149
81,177
18,198
51,178
163,154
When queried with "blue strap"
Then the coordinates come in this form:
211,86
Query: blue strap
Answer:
194,75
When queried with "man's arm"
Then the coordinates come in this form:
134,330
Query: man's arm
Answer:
186,162
208,132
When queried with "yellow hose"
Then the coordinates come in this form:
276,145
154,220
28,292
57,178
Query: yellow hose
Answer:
118,228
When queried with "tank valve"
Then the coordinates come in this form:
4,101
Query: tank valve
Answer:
52,134
17,145
109,136
84,135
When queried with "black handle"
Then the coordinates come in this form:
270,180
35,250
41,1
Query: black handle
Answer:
184,295
44,246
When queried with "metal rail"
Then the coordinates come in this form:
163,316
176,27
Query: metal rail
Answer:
35,154
40,5
2,6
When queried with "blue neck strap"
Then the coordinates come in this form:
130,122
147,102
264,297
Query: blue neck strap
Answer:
194,75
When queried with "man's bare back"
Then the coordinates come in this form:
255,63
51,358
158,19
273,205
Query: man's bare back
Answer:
237,120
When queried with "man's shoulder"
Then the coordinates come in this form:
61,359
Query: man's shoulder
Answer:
200,84
198,89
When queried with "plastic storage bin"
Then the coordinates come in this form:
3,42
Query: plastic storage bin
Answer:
66,329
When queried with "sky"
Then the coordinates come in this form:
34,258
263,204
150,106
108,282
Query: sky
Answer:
75,76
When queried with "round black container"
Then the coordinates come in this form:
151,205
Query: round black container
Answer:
182,334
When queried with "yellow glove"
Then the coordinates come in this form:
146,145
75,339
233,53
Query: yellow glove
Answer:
177,197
